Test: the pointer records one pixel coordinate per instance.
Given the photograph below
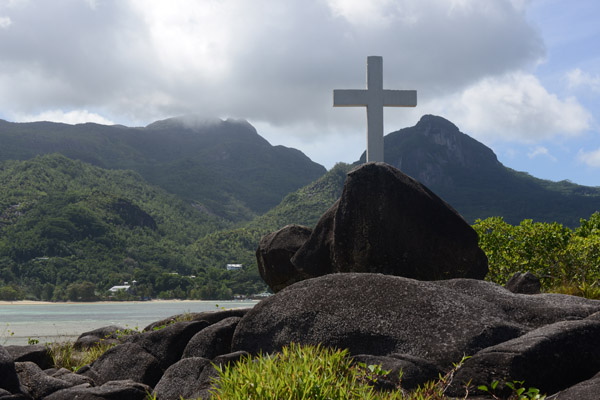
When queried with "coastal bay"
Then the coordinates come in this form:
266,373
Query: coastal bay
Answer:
49,322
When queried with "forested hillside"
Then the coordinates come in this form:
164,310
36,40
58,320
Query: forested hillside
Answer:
302,207
68,229
224,167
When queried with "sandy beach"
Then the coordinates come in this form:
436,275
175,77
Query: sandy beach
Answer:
35,302
48,321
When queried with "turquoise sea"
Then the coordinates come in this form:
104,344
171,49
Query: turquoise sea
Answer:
65,321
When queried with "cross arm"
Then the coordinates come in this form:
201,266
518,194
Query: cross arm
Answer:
400,98
350,97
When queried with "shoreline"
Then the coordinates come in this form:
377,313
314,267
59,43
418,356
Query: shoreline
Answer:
36,302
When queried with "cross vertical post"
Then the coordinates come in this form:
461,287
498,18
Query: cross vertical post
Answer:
374,98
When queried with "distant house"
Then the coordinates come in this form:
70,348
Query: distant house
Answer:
260,296
117,288
234,267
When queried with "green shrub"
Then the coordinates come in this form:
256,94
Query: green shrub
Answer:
313,372
566,261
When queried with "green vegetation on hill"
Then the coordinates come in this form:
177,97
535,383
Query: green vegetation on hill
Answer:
302,207
223,167
69,230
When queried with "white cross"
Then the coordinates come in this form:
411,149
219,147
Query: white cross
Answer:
374,98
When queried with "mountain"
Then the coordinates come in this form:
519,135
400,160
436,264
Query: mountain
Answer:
459,169
223,167
64,223
467,175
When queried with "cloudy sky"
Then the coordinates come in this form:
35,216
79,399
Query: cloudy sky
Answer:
521,76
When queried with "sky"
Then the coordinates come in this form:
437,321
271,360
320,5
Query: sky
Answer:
520,76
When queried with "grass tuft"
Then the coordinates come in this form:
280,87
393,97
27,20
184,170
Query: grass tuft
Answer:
64,354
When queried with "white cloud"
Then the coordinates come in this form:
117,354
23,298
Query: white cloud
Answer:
515,107
5,22
591,159
576,78
271,61
541,151
70,117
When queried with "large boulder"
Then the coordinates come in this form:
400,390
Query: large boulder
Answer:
550,358
111,334
381,315
586,390
182,379
9,379
274,254
125,361
212,341
36,383
526,283
36,353
384,222
167,344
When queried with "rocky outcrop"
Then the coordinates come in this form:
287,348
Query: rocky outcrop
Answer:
182,379
114,390
380,315
108,334
36,383
421,328
211,317
585,390
384,222
167,344
274,253
212,341
526,283
131,369
37,354
9,380
126,361
553,357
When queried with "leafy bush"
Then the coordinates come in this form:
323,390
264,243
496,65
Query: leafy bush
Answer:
565,260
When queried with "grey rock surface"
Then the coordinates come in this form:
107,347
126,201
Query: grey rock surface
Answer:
550,358
211,317
381,315
36,383
114,390
126,361
586,390
525,283
167,344
9,379
415,370
213,340
37,354
110,334
182,379
70,377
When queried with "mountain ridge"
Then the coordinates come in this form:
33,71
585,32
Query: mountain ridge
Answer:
467,174
224,166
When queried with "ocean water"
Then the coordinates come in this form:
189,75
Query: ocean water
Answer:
60,322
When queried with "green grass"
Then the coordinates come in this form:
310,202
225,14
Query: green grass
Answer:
64,354
313,372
